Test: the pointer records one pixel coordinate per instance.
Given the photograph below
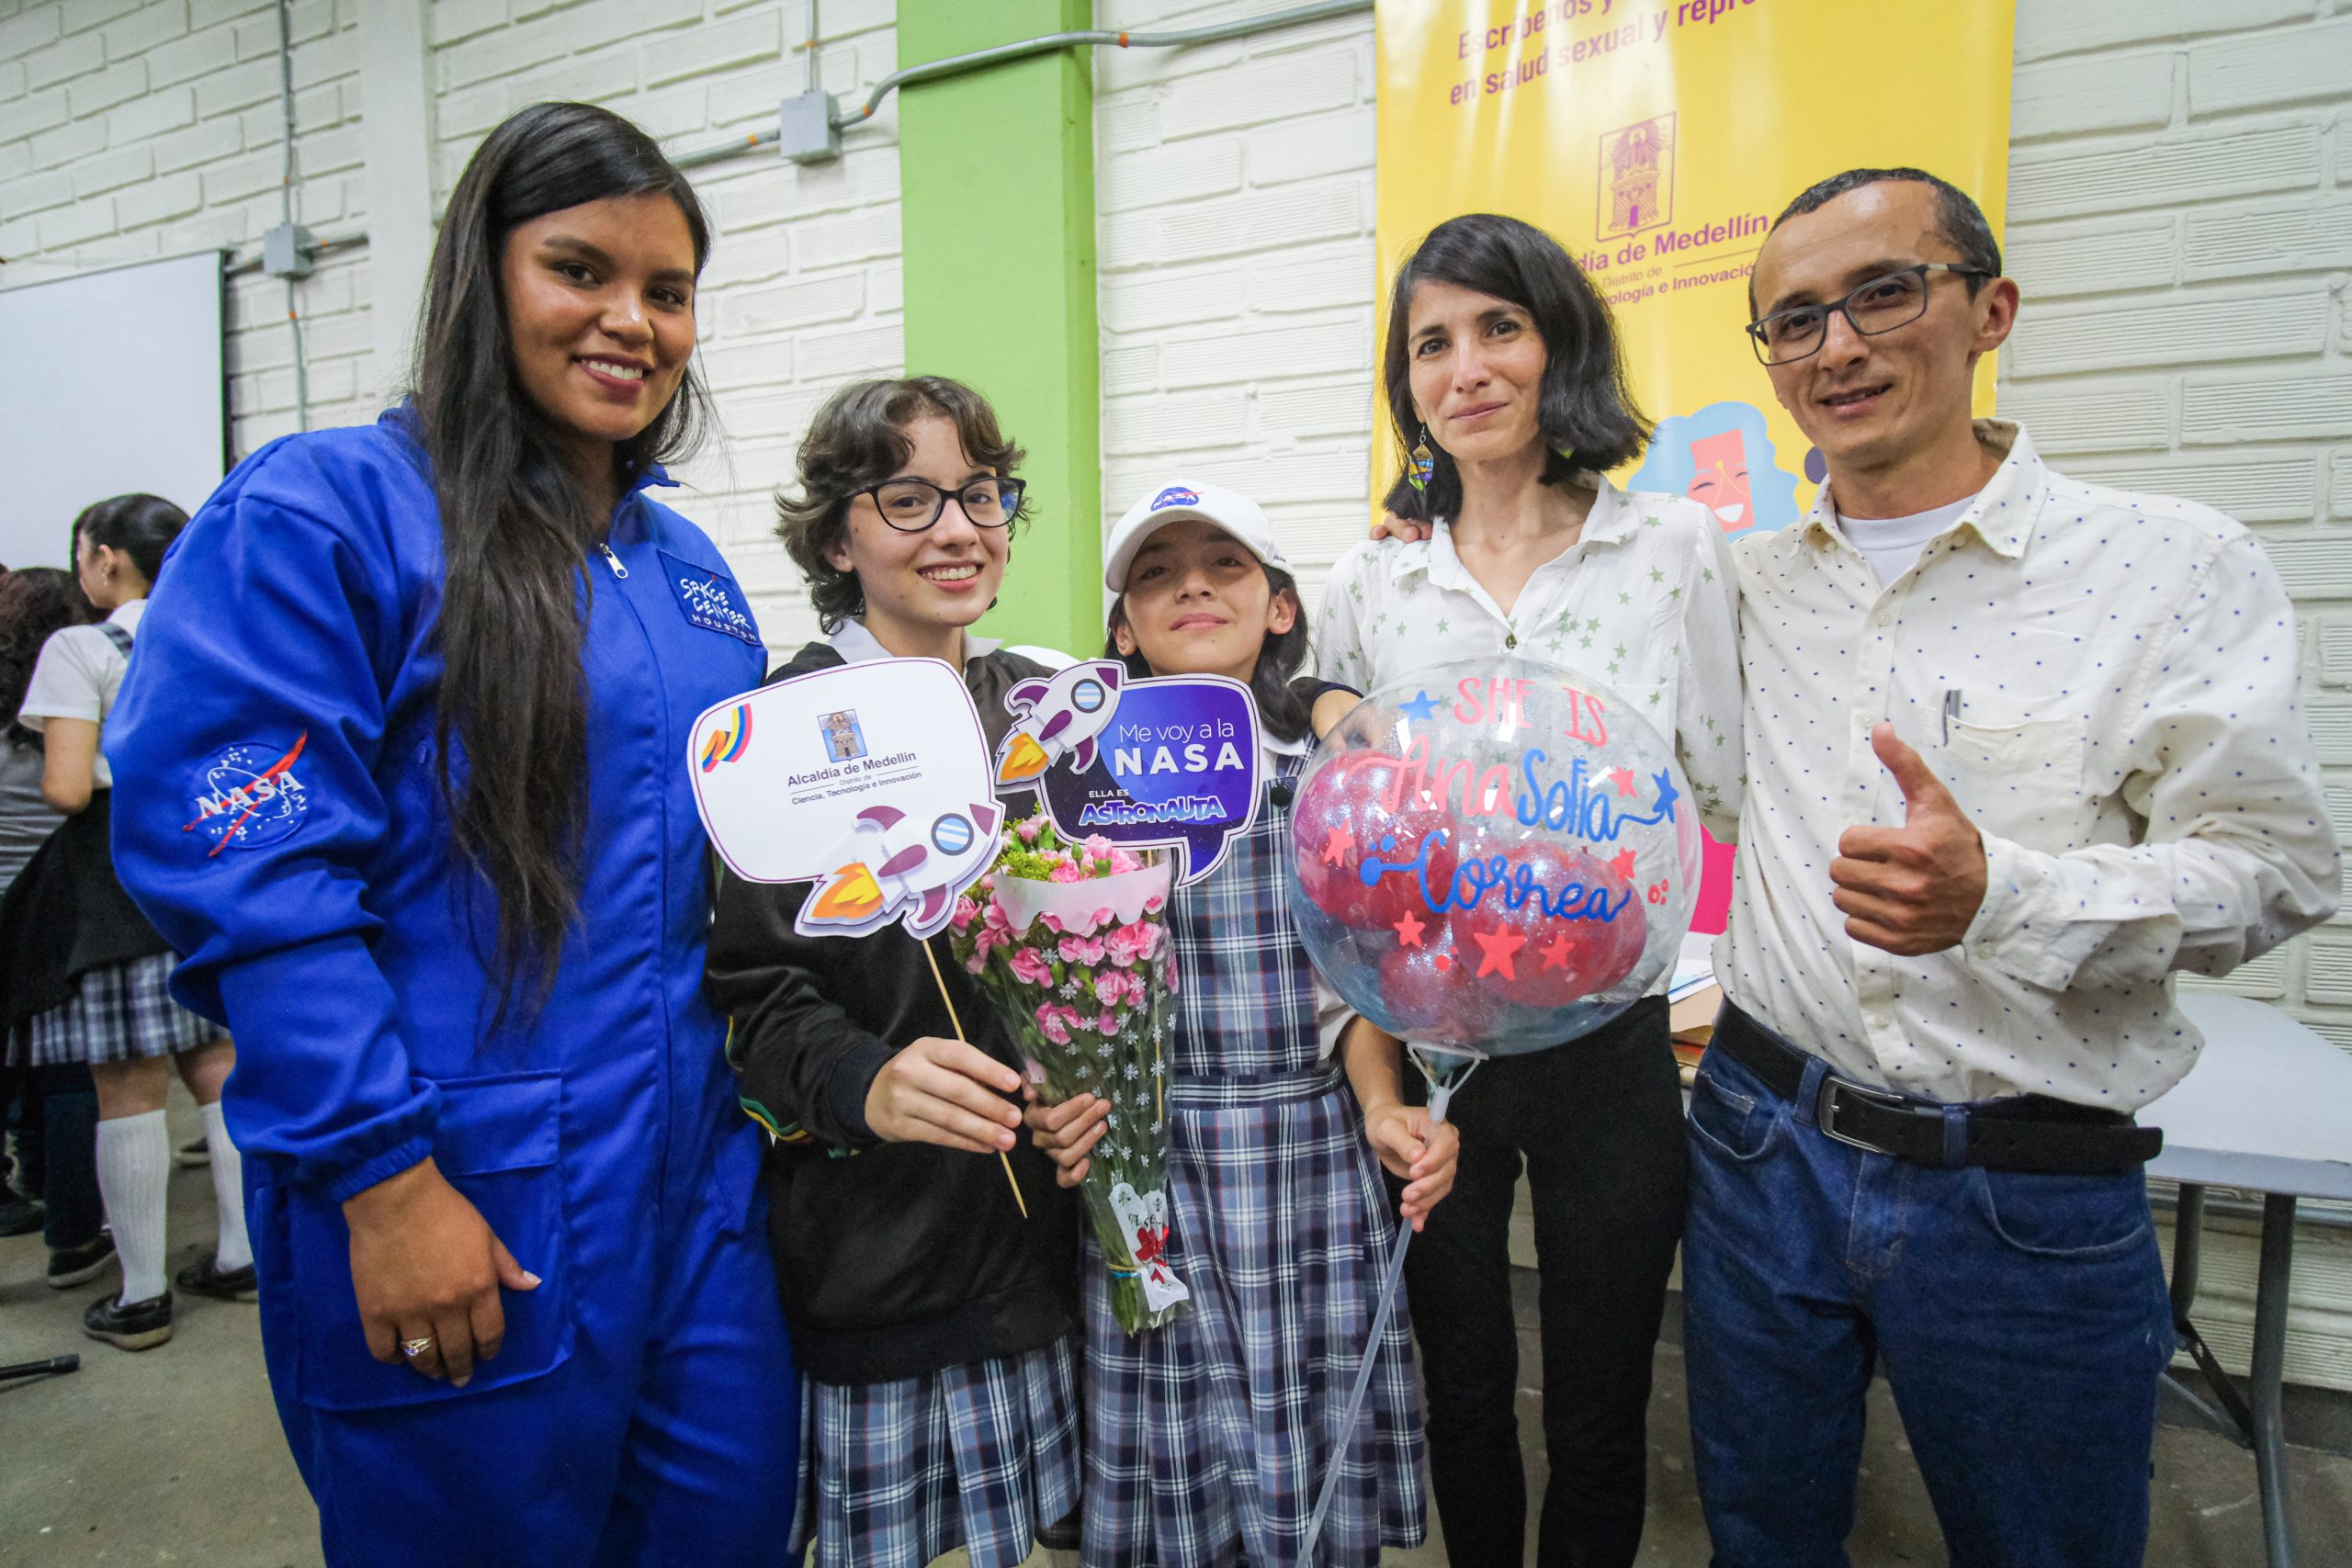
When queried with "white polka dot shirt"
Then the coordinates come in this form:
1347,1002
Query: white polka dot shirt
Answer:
1642,604
2125,736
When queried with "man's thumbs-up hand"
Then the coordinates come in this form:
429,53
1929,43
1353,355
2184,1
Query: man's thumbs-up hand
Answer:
1912,890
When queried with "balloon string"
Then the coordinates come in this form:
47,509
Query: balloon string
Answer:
1442,1082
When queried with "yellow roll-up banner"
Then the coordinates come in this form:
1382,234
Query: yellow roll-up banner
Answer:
1656,140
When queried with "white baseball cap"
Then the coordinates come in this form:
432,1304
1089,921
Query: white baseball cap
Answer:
1174,501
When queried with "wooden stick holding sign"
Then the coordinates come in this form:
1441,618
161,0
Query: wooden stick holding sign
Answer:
958,1024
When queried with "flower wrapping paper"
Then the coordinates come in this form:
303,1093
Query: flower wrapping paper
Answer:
1071,939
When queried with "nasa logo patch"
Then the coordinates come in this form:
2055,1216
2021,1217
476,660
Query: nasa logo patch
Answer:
1175,495
248,795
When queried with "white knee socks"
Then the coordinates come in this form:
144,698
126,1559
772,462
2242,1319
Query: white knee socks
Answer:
134,1167
228,1190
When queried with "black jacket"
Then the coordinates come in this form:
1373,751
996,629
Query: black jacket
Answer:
895,1260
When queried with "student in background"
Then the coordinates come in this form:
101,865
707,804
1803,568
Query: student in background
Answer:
106,1005
34,602
56,1107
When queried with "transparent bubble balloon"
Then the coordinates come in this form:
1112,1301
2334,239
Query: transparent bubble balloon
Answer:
1495,856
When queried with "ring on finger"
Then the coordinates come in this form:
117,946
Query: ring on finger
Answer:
417,1346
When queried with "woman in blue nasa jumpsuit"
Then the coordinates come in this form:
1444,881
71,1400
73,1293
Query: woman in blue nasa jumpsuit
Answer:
515,1298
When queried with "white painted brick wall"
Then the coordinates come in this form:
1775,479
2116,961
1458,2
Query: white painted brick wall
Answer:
2195,341
133,129
1234,192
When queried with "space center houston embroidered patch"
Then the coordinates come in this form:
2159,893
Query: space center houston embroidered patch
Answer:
709,599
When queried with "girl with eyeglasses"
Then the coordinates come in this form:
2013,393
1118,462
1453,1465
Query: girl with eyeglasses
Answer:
936,1321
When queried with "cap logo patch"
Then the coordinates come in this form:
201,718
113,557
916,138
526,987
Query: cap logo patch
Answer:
1175,495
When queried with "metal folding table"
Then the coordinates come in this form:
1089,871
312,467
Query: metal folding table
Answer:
2269,1109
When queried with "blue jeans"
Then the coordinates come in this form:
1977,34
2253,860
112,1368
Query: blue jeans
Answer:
2023,1320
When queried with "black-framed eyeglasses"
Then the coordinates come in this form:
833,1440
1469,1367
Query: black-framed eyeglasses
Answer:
913,505
1879,306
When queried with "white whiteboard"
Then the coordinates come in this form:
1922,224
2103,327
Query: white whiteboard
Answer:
122,391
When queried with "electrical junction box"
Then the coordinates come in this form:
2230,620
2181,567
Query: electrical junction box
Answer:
287,251
805,132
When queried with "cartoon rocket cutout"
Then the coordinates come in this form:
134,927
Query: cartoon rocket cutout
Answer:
893,860
1059,717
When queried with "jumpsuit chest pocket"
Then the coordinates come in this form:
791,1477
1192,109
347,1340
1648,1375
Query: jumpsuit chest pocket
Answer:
499,1143
709,598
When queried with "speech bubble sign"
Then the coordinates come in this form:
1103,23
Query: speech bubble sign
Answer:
1174,763
871,780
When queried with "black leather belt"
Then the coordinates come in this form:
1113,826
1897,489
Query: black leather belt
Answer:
2031,1132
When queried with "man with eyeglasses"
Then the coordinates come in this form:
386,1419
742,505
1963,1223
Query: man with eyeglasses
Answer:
2019,749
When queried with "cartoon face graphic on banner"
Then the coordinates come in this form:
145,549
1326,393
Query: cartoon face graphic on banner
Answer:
1170,761
871,780
1724,458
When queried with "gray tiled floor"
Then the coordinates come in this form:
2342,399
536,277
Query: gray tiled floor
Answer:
174,1456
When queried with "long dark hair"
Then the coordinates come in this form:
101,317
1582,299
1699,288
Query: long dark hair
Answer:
1587,404
859,439
35,601
1286,711
142,527
518,526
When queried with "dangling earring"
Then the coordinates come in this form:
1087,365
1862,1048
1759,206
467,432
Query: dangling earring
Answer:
1421,464
1567,455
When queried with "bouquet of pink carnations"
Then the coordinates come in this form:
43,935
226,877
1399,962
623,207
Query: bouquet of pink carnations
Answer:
1071,940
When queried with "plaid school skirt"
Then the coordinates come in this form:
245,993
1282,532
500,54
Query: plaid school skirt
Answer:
122,1012
982,1456
1208,1439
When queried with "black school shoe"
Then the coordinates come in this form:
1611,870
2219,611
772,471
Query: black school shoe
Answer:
21,1216
209,1279
71,1266
142,1325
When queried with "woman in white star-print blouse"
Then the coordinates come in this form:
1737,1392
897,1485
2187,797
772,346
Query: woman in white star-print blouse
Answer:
1501,364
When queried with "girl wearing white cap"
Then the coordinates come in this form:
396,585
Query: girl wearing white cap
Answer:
1508,395
1208,1439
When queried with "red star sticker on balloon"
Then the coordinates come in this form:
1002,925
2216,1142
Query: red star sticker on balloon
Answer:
1624,781
1497,945
1337,847
1623,865
1408,930
1555,953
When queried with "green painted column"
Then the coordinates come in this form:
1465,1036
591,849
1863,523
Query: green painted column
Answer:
995,171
